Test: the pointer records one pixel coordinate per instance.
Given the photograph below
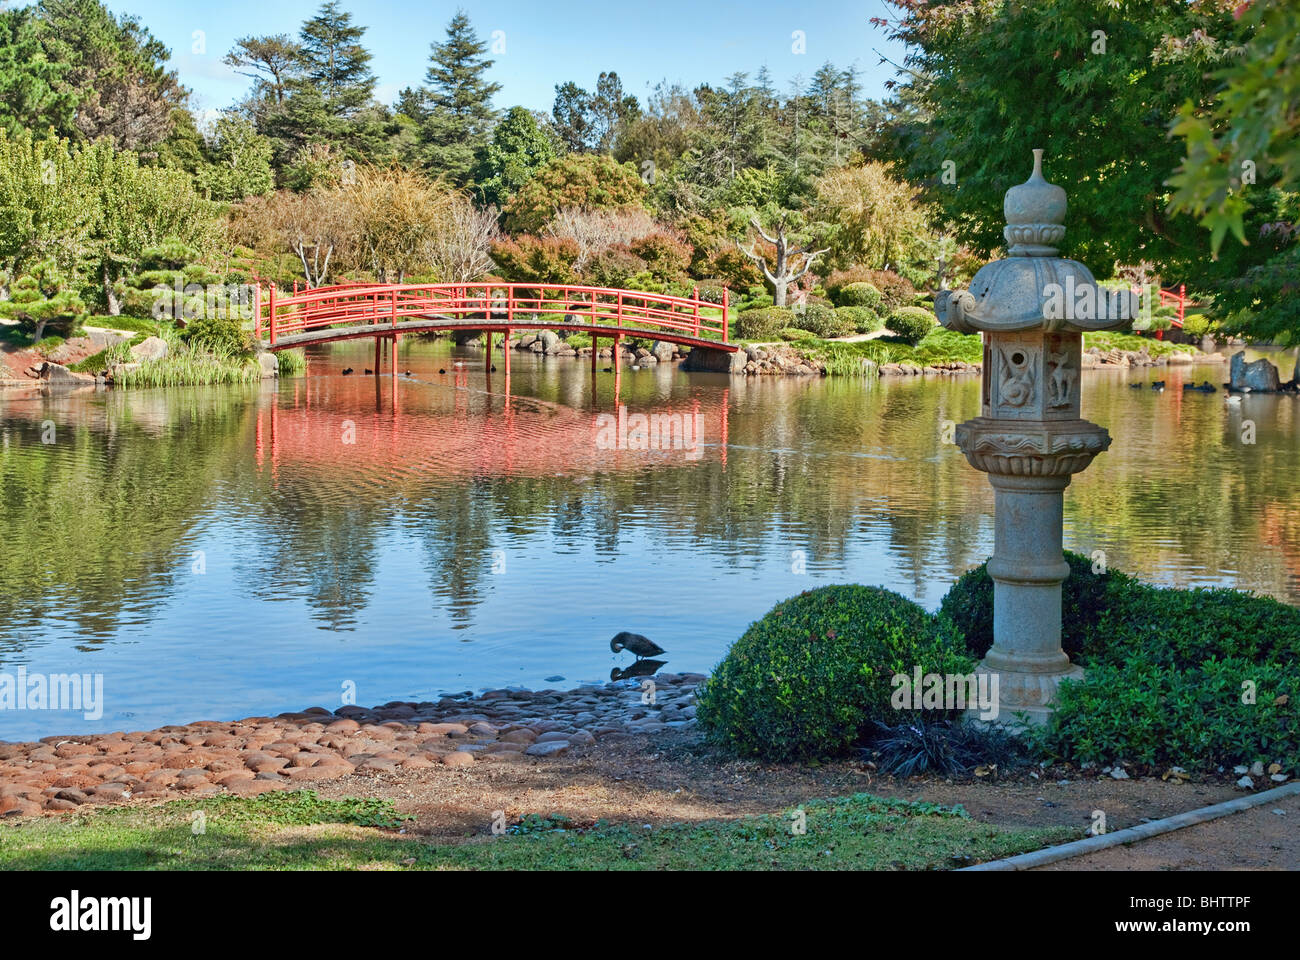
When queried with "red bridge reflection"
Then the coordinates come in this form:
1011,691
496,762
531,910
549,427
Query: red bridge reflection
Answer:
400,428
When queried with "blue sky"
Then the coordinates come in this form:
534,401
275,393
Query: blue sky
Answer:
545,42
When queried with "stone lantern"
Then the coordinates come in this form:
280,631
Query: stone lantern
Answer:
1032,309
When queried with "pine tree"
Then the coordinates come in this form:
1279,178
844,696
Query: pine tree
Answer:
335,63
460,113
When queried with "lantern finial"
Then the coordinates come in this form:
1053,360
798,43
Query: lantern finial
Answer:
1035,214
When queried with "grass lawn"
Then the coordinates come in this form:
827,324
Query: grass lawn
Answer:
302,831
1115,340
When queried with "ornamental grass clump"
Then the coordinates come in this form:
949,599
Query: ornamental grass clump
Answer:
813,677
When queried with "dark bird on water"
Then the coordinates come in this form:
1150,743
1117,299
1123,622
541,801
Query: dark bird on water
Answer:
635,643
370,373
406,373
494,368
347,371
1158,385
609,369
442,371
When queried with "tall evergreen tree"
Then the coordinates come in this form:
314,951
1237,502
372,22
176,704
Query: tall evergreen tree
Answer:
30,82
328,93
334,63
573,117
460,114
116,71
519,148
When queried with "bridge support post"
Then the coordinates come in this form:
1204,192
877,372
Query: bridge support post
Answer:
595,350
505,349
379,343
487,362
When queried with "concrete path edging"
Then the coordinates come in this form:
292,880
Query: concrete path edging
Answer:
1142,831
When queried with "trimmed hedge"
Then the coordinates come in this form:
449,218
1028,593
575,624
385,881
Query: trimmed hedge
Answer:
1085,597
812,677
823,321
1199,678
859,295
765,323
911,324
863,319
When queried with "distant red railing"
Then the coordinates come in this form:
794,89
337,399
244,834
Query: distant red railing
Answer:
520,305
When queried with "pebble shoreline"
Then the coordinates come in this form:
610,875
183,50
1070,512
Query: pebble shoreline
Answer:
259,754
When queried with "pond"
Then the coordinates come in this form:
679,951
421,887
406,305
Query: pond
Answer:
216,553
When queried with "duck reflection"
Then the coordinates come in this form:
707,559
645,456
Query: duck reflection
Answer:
640,668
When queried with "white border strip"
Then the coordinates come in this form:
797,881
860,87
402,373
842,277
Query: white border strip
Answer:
1142,831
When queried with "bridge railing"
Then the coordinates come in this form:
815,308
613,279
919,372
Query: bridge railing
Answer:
525,305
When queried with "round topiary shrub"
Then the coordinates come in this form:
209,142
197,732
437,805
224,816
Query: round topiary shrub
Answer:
911,324
812,677
859,295
765,323
823,321
1085,597
862,319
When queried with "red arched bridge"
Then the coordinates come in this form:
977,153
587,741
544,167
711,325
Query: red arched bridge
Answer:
385,311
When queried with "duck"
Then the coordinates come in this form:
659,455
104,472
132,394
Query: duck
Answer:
609,369
370,373
494,368
1158,385
440,370
1135,386
636,643
1231,398
347,371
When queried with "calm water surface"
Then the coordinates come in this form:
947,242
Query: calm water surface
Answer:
224,552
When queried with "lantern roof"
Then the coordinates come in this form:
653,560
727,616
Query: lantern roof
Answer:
1033,288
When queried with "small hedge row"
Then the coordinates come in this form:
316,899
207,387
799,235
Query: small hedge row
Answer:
911,324
1199,678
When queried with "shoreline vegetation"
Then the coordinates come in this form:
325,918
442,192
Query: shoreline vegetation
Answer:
940,352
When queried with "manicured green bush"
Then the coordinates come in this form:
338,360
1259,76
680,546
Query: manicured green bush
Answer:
823,321
1152,712
1167,671
911,324
895,291
863,319
1186,628
1085,600
859,295
812,677
794,333
765,323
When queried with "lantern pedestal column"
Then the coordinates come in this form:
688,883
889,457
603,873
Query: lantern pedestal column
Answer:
1029,464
